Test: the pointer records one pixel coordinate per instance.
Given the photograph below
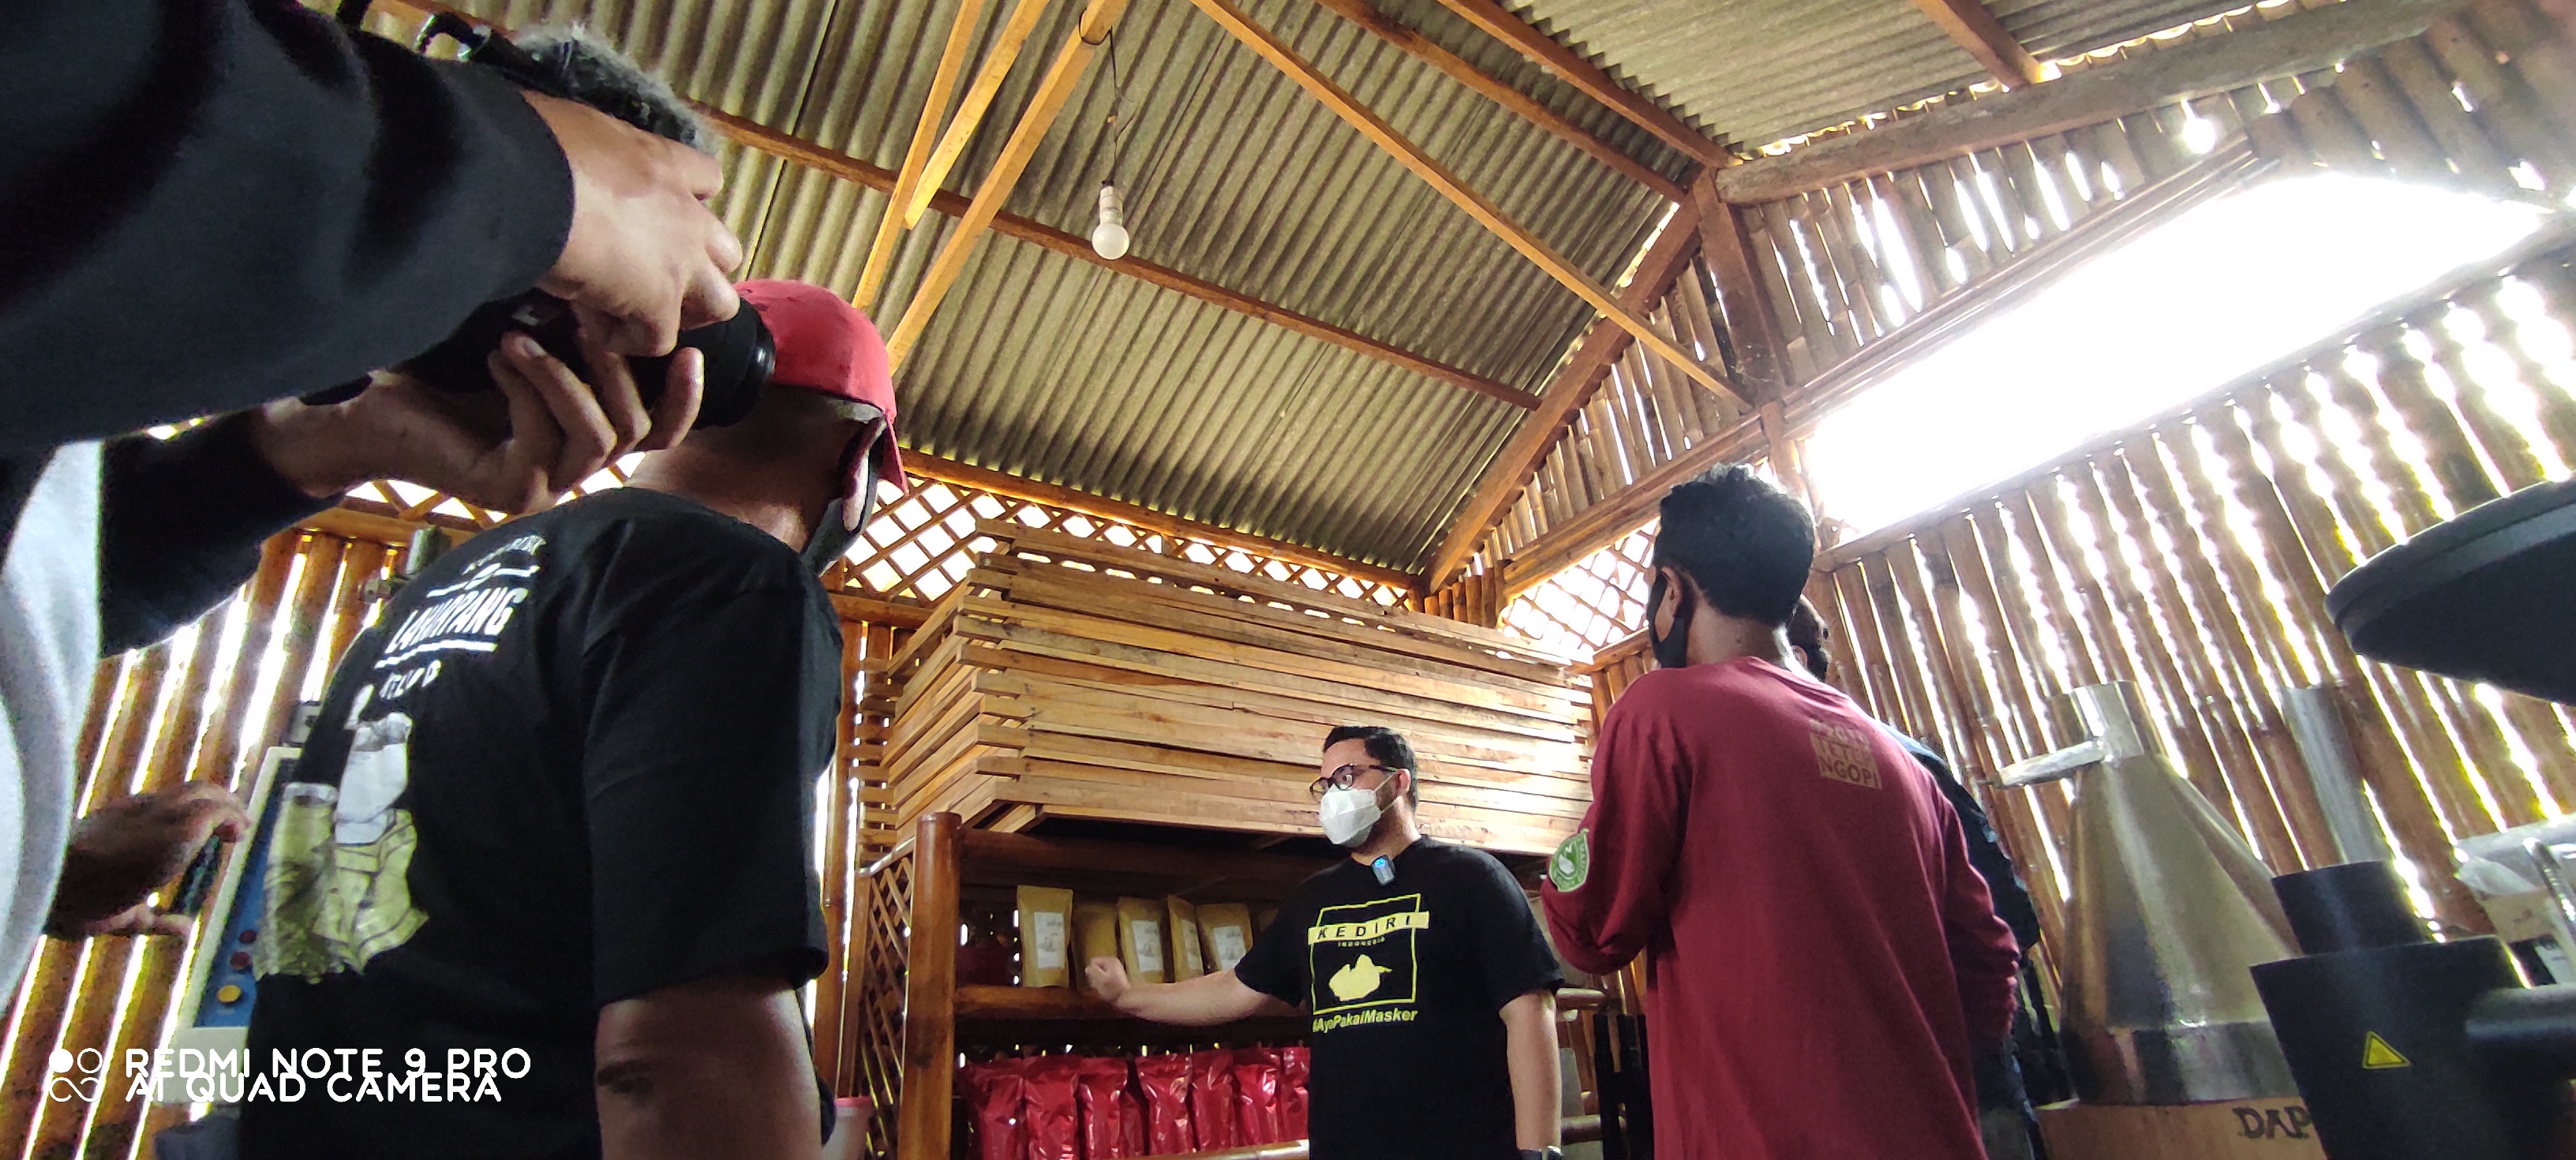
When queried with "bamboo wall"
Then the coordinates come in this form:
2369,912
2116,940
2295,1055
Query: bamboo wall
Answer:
2191,554
204,705
1644,414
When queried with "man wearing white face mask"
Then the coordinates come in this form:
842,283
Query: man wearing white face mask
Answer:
1415,958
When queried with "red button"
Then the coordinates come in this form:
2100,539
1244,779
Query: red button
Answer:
250,936
241,960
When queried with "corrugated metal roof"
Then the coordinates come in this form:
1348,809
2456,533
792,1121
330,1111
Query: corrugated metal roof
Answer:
1753,73
1048,367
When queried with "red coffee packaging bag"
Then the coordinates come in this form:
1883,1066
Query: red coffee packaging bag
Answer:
1098,1084
1165,1082
1256,1095
1212,1100
1131,1116
1052,1121
997,1092
1292,1093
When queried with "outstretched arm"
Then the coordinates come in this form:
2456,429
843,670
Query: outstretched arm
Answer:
1201,1002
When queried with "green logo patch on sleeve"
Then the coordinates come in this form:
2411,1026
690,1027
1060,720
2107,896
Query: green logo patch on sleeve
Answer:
1571,866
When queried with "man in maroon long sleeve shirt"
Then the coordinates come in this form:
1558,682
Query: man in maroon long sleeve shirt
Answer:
1821,958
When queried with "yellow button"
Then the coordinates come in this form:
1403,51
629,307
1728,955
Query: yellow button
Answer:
228,993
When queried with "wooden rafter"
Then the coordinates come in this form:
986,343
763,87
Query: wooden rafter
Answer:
1135,515
1602,345
1974,28
1053,90
989,76
1366,15
1751,326
1570,66
916,157
2303,43
1572,277
758,136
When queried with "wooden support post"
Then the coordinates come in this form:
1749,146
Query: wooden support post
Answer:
1362,13
1752,327
970,112
1570,67
930,993
952,60
1486,213
1053,90
1975,29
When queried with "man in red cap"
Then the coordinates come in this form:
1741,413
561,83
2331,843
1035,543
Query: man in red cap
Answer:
543,882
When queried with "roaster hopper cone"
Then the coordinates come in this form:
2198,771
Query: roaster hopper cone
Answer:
2170,911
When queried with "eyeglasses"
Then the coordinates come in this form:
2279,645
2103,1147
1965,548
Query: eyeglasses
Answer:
1342,778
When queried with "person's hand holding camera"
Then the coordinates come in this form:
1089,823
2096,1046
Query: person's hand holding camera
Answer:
542,434
644,249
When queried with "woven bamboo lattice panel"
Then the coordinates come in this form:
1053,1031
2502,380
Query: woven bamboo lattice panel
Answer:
919,542
864,1057
1071,678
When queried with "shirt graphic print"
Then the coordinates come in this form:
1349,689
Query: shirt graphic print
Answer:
1364,961
338,885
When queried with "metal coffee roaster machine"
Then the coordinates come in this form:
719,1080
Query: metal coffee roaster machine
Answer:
2407,1048
2193,975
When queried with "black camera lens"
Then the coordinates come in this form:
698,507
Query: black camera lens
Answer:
740,354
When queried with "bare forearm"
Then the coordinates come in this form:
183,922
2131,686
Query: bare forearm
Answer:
1530,1050
707,1081
1201,1002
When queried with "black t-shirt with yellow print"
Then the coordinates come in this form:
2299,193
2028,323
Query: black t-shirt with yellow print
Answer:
1404,985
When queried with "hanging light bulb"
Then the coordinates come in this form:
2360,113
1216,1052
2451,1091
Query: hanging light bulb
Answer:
1109,238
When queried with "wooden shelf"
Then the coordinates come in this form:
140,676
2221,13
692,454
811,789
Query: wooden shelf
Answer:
1017,1014
980,1001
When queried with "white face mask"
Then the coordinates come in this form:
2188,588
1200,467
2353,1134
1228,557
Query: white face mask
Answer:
1348,814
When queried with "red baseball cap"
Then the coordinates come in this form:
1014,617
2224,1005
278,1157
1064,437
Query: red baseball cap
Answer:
824,344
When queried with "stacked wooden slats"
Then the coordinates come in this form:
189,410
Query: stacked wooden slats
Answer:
1073,678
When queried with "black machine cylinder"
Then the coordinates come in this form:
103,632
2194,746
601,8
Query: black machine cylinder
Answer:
2377,1031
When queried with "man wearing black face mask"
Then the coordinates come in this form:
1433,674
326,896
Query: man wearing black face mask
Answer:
558,807
1823,962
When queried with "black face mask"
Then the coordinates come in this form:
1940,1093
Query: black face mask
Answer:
834,532
1672,650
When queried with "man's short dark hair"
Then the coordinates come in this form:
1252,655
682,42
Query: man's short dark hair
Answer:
1385,747
1745,542
1807,635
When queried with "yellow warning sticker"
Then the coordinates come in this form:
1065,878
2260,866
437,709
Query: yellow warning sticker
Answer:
2377,1055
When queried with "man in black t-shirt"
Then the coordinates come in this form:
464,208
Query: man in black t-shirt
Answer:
543,883
1431,992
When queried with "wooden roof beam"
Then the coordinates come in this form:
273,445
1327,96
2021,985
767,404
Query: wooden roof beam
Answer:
1384,27
1570,67
1135,515
916,157
989,76
1308,77
1664,262
1054,89
2316,39
752,134
1974,28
